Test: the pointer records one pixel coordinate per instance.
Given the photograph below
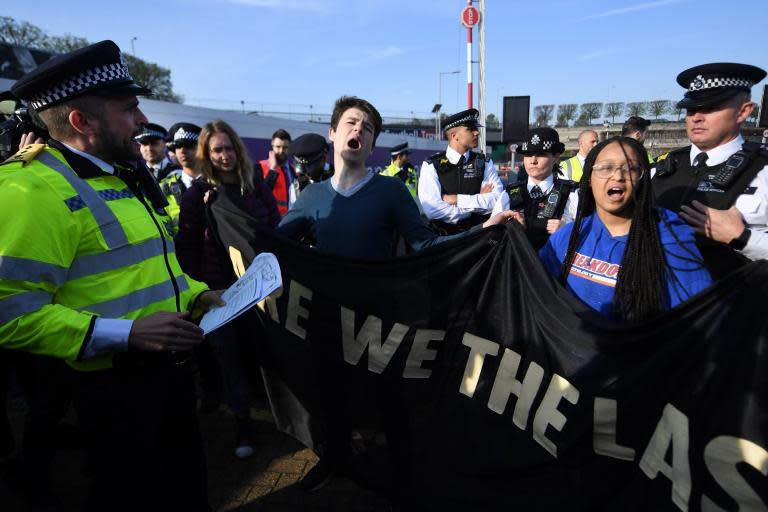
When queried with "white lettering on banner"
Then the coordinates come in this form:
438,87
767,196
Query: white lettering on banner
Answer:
270,305
721,455
420,352
547,413
296,310
604,431
672,429
379,354
507,384
479,348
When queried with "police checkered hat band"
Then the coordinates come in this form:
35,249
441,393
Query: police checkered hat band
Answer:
182,134
463,118
150,132
700,83
81,82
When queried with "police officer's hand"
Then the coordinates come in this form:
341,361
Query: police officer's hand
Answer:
719,225
450,198
210,299
164,332
554,224
504,217
30,138
487,187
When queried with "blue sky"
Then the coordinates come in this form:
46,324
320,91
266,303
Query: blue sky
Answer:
288,54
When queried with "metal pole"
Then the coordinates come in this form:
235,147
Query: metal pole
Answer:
469,63
438,134
133,49
481,74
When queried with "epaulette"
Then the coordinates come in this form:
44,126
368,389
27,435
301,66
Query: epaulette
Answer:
569,183
25,154
666,166
435,158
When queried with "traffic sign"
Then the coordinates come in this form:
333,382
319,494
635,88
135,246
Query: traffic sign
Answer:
470,16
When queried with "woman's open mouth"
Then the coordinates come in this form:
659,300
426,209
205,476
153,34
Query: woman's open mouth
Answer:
616,193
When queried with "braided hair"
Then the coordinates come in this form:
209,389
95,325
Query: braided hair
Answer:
640,286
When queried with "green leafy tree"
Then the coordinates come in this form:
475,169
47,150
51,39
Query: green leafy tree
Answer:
148,74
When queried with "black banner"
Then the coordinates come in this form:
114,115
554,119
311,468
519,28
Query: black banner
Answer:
519,397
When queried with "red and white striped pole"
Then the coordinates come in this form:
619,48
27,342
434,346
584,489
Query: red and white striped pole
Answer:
469,61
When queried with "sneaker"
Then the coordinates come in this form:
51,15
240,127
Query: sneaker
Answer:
245,438
318,477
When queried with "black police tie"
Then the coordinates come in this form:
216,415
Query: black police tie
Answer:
536,192
701,160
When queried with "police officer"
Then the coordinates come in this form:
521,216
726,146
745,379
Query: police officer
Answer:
458,187
719,183
310,159
547,200
154,152
401,167
183,143
100,285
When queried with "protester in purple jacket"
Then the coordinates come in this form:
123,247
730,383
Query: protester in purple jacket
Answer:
224,164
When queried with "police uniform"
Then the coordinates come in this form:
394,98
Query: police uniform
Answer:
177,182
733,174
154,132
450,172
309,153
408,173
72,290
552,198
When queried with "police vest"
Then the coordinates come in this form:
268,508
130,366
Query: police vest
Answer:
173,187
538,211
408,175
677,183
572,168
464,177
82,244
276,182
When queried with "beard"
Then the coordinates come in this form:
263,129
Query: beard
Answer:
115,148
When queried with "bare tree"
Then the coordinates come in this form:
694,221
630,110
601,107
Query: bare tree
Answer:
590,111
582,120
542,113
636,108
613,109
491,121
675,110
658,107
755,113
565,113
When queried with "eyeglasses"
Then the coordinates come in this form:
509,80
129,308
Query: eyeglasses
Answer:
606,171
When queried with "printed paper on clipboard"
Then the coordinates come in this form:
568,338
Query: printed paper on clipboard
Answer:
262,278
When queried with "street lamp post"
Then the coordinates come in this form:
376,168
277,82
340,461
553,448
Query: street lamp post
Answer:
133,49
438,133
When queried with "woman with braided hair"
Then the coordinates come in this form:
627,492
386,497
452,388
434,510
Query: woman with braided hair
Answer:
623,256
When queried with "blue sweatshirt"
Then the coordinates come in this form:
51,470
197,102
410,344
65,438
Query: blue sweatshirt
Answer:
361,226
598,260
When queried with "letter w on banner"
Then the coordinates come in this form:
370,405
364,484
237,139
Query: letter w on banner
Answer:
501,391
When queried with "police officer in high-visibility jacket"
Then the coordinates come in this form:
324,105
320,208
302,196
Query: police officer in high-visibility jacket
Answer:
401,167
88,274
573,167
183,143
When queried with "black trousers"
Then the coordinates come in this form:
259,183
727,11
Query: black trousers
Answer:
143,436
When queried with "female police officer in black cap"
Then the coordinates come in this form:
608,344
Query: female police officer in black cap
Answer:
546,200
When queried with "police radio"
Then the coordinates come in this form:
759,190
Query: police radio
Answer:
735,164
557,199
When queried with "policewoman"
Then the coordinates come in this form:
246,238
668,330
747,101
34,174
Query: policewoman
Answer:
458,187
310,159
547,200
88,274
183,143
718,184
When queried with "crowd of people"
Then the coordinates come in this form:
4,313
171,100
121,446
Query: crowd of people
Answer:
129,260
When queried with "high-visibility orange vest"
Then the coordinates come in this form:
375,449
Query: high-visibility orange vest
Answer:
278,184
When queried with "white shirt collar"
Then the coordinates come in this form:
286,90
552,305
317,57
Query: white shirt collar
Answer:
582,159
186,179
454,156
721,153
101,164
545,186
162,164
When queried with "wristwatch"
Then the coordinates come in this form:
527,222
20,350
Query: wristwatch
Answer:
740,241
